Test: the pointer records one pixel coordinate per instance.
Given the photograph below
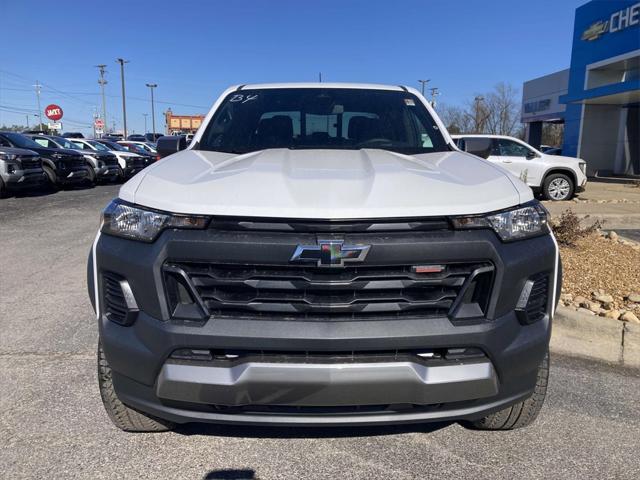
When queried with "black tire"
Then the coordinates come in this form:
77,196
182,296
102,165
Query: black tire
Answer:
521,414
3,189
558,187
123,417
51,177
91,177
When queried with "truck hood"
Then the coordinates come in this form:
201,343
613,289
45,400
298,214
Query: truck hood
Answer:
324,184
565,160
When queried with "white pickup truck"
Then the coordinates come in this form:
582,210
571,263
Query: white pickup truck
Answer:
557,177
323,254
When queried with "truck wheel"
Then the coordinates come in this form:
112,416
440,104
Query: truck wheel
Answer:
91,177
557,187
123,417
3,189
523,413
51,177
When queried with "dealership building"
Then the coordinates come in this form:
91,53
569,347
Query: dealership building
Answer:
598,96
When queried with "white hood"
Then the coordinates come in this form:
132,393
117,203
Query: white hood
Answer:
324,184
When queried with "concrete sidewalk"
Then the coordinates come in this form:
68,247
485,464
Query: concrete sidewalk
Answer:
618,205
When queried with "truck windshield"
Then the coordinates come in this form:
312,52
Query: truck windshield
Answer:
322,118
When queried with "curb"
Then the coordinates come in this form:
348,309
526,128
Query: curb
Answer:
599,338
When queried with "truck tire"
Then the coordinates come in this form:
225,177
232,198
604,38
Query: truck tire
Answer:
523,413
51,177
123,417
91,177
3,189
558,187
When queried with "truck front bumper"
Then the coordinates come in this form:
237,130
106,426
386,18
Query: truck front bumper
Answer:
321,374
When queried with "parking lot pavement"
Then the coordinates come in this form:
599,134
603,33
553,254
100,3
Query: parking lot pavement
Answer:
52,424
615,204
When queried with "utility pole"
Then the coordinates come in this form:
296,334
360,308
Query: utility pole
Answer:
478,113
102,82
145,115
122,61
423,82
320,77
27,121
38,88
153,110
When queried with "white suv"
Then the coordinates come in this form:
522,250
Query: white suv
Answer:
557,177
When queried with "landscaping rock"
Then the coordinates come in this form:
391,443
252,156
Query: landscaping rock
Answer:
629,317
579,299
603,298
632,297
585,311
612,235
566,297
615,314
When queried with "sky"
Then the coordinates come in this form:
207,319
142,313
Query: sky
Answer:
193,50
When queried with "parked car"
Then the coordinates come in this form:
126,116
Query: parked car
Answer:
20,169
148,146
152,137
128,163
133,147
100,165
62,166
72,135
137,137
556,177
323,254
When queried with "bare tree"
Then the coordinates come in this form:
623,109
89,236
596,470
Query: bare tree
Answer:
455,118
504,110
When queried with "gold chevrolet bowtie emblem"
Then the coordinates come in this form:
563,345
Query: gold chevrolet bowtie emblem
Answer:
595,30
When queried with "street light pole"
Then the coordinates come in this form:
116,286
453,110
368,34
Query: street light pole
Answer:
153,110
145,115
423,82
102,82
122,61
38,86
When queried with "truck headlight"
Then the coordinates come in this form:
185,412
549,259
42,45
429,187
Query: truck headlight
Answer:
526,221
583,167
125,220
8,156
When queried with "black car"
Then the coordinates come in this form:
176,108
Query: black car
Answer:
73,135
100,165
149,157
137,137
62,166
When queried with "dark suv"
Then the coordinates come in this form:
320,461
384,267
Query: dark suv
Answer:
19,169
62,166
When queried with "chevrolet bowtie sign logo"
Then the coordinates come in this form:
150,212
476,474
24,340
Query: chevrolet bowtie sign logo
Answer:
330,253
595,31
618,21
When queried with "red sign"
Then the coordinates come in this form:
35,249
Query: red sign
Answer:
99,123
53,112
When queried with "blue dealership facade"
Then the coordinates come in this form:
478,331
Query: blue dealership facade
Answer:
598,97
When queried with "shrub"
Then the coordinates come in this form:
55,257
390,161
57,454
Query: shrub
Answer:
568,229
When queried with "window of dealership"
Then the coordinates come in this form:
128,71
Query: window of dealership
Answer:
598,97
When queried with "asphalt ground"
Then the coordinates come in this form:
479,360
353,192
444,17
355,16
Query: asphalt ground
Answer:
52,424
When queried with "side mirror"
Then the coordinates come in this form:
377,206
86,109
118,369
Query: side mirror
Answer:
531,155
478,146
169,145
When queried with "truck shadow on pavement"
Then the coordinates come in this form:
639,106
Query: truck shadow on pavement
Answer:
243,431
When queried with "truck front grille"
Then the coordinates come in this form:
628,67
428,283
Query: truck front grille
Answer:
30,162
316,293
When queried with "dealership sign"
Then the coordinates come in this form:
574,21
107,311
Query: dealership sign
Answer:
618,21
53,112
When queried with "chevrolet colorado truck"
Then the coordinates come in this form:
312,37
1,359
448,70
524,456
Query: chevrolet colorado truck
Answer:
323,254
20,169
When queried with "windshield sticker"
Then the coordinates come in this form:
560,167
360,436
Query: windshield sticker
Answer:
238,97
409,102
